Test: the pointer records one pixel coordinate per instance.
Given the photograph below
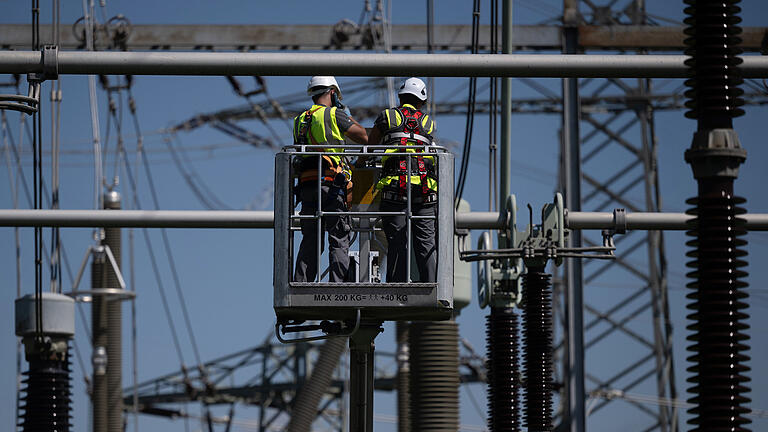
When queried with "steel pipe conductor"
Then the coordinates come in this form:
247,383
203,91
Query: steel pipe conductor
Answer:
292,64
265,219
138,218
649,221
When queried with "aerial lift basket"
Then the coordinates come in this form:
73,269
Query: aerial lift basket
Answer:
365,298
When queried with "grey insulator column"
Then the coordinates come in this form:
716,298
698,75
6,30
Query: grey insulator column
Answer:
112,238
311,394
403,377
99,336
47,391
434,376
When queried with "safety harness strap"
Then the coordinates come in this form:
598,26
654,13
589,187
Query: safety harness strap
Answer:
397,136
410,130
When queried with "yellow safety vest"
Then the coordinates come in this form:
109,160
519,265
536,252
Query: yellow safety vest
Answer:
322,130
394,120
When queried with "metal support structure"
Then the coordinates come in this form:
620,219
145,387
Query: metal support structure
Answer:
624,134
502,322
301,37
573,370
505,144
294,64
269,376
293,104
361,372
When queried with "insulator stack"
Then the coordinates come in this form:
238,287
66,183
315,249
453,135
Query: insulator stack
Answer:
99,331
714,94
306,404
537,331
503,369
47,394
718,318
434,366
114,346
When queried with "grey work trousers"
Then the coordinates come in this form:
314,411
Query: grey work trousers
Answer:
337,227
422,241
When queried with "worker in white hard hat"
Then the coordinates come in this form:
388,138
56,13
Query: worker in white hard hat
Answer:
408,125
325,123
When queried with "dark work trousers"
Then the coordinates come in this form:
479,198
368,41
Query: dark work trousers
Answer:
423,241
337,228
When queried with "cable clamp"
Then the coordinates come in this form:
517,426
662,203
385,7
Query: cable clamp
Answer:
50,62
620,221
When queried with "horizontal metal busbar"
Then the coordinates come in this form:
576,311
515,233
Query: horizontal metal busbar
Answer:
648,221
354,64
265,219
138,218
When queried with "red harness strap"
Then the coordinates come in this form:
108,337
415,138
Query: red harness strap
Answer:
411,126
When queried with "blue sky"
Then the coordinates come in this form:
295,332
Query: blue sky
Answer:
226,274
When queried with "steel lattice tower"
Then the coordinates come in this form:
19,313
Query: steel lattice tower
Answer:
618,168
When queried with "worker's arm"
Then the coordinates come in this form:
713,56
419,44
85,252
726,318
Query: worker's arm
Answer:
357,133
350,127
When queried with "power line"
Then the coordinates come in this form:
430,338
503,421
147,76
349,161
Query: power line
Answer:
465,153
164,235
193,180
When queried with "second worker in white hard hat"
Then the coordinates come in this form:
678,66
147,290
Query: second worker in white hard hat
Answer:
325,123
408,125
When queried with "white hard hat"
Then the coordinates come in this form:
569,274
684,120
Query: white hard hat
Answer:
323,82
414,86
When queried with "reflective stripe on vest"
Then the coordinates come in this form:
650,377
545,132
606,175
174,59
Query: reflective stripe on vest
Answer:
323,129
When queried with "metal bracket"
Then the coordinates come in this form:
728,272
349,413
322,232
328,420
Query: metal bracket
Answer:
498,281
30,103
484,277
49,59
121,293
354,330
539,243
499,273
